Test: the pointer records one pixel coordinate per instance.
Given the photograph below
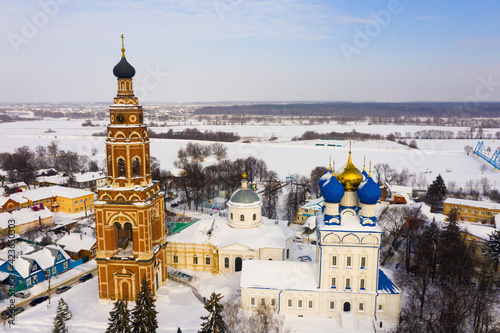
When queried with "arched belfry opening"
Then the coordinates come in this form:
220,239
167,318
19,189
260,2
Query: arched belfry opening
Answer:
136,167
121,167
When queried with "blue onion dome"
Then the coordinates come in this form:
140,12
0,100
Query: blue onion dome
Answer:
326,177
365,174
332,190
369,192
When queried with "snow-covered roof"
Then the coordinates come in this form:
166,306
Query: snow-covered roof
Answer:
89,176
177,172
310,222
52,191
14,185
46,256
316,204
403,189
24,215
77,242
15,197
479,230
268,234
56,179
290,275
472,203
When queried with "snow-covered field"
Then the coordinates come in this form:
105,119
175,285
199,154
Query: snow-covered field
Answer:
445,157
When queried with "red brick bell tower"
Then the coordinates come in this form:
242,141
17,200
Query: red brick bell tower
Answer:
130,223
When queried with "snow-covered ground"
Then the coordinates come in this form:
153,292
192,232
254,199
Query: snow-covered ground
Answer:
445,157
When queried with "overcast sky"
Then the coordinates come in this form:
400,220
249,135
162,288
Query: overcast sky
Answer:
249,50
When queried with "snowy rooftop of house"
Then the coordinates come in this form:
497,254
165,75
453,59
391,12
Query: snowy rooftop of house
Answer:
347,224
52,191
473,203
316,204
56,179
15,197
290,275
402,189
20,249
89,176
310,222
24,215
77,242
177,172
14,185
268,234
479,230
385,284
46,256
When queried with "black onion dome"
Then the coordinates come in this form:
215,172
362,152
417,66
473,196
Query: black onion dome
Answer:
124,70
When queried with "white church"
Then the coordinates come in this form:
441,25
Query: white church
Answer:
346,282
220,245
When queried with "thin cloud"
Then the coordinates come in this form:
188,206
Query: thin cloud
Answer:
479,42
347,19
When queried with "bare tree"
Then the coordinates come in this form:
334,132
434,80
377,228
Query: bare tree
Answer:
468,149
219,150
485,185
483,168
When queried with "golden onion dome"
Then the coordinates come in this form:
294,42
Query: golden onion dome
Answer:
349,176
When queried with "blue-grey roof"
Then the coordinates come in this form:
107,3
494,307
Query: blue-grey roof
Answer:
385,284
245,196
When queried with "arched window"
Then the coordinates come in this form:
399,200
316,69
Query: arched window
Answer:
242,218
226,262
136,167
122,86
195,260
121,167
254,217
231,216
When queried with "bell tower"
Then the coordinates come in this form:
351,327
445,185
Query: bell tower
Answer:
130,223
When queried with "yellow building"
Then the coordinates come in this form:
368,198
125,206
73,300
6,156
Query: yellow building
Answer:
309,209
477,235
473,211
61,199
20,221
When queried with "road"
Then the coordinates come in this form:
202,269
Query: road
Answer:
72,281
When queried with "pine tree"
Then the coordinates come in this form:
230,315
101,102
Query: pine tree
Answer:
119,320
493,247
179,330
456,261
144,313
436,193
62,315
62,307
213,322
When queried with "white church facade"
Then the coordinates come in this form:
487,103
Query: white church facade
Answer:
345,281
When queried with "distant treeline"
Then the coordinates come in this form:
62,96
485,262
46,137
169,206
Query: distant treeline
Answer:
338,109
189,134
194,134
353,135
